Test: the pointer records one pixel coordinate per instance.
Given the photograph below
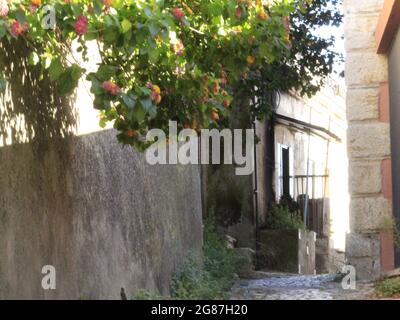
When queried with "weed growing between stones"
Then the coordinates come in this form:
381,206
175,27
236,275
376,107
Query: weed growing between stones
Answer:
282,219
146,295
388,288
206,276
210,276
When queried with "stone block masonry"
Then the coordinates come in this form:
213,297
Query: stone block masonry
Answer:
368,137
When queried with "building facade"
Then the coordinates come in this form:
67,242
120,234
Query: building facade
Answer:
372,78
302,158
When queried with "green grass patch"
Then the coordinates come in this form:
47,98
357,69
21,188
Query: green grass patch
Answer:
206,276
280,218
209,276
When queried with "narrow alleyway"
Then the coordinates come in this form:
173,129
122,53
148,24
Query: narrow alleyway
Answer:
275,286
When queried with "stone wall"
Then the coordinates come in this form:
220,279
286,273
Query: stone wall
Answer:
81,202
368,137
98,213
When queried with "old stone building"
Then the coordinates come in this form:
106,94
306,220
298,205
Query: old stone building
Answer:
303,155
372,77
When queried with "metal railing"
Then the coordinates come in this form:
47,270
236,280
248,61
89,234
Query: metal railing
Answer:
314,189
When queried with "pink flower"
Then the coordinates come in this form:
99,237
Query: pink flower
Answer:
81,25
111,88
33,8
17,28
178,13
3,8
238,12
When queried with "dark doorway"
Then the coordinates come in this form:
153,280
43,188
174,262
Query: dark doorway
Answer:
286,172
394,76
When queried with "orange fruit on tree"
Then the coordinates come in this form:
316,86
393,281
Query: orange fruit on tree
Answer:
214,116
156,89
251,59
132,133
36,3
262,15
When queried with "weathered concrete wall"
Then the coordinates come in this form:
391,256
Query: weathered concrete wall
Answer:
98,213
296,254
83,203
368,136
229,197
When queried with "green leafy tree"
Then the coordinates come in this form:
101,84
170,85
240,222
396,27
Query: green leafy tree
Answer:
311,60
177,60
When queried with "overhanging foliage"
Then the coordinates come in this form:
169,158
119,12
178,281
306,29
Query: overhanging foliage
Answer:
176,60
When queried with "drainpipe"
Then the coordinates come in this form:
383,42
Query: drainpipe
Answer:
256,189
308,173
308,178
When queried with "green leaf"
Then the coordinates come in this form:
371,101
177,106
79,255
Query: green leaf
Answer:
126,25
149,107
106,72
152,111
98,102
65,85
96,87
55,70
103,123
154,55
91,35
129,101
264,50
68,80
139,113
145,91
98,8
3,28
20,16
148,12
118,4
76,72
154,29
147,104
111,35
